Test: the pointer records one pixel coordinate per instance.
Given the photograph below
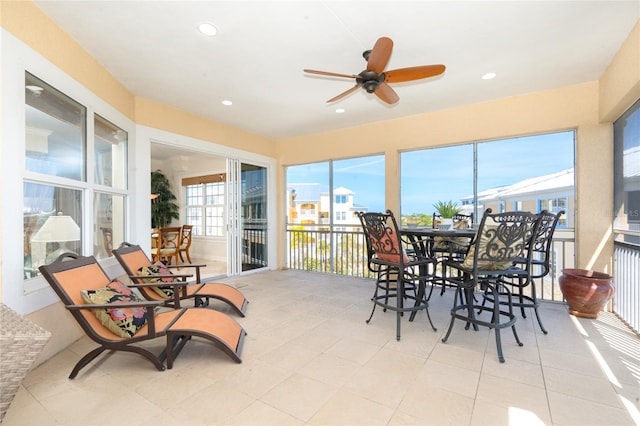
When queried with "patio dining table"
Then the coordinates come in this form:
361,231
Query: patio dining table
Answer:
421,240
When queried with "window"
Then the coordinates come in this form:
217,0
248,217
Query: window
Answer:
515,173
205,208
56,188
110,170
626,139
432,175
321,196
554,205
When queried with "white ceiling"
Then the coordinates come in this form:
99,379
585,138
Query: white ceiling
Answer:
256,60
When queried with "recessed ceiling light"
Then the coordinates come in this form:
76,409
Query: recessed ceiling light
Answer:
227,102
208,29
489,76
339,110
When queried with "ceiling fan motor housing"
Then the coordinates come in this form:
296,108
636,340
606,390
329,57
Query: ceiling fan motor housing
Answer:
370,80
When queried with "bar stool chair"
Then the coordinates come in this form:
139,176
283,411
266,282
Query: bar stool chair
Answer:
500,239
410,272
537,262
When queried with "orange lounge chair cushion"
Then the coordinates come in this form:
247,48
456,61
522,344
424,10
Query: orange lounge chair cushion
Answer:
121,320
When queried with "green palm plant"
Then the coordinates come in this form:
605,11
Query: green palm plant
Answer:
447,209
163,208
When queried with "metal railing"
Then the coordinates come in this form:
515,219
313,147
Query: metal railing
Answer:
343,251
626,276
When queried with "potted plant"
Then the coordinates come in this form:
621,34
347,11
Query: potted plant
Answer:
447,210
586,291
163,208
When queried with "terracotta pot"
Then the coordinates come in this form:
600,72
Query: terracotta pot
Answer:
586,291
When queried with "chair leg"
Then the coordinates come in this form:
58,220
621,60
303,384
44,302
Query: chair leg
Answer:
458,293
536,304
399,302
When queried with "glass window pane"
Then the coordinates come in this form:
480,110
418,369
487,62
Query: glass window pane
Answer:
110,150
534,171
52,224
358,185
55,131
432,175
308,200
627,172
109,223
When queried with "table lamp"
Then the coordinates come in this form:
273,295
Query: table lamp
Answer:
57,229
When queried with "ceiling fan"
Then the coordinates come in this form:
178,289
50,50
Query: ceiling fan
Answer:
374,79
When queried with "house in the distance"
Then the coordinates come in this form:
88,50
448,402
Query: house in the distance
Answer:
311,204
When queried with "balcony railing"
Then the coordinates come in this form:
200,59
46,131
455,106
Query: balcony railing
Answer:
343,251
626,275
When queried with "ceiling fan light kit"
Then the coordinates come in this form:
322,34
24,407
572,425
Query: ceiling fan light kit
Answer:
375,80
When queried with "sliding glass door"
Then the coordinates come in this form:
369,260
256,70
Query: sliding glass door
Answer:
247,217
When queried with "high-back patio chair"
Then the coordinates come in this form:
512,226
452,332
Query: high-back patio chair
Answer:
411,271
501,238
152,281
117,320
537,260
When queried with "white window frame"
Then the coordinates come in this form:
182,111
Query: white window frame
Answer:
16,59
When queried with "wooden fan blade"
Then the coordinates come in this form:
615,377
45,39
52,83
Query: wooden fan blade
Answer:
332,74
413,73
380,55
387,94
343,94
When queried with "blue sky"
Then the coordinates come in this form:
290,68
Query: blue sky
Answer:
428,176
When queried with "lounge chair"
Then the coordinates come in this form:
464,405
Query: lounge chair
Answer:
118,320
137,265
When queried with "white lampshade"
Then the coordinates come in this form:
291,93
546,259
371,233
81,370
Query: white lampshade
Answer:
57,229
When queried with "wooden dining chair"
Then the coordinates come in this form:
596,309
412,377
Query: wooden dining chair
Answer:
168,244
185,242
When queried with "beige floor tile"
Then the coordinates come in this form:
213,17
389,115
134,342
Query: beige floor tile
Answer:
299,396
581,385
450,378
511,393
514,369
458,356
259,413
256,378
434,405
215,404
345,408
354,349
330,369
570,410
487,413
25,410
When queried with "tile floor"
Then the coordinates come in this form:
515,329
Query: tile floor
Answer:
310,358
